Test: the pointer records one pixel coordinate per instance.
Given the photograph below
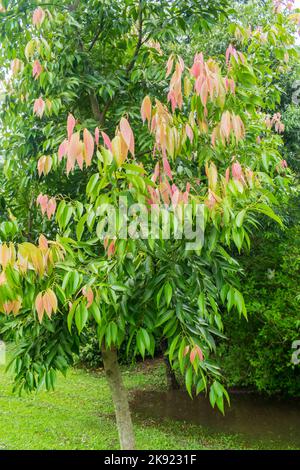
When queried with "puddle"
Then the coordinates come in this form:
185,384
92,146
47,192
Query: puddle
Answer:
273,423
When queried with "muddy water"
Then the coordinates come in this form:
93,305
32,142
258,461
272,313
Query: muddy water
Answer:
273,423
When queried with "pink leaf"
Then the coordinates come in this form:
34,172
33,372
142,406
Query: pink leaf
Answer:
43,242
41,165
156,172
42,200
39,107
175,197
189,132
283,164
227,174
237,171
192,355
79,160
38,16
106,140
204,93
169,66
51,207
127,135
97,135
111,249
181,63
89,146
89,295
62,150
70,125
146,109
36,69
167,168
75,146
39,306
199,353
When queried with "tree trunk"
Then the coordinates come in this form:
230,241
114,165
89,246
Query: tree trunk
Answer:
120,399
171,377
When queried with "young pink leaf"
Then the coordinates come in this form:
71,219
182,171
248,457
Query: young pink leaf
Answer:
38,16
146,109
36,69
199,353
127,134
70,125
43,243
169,66
62,150
167,168
111,249
189,132
106,140
39,107
88,146
227,174
156,172
42,200
283,164
192,355
75,146
89,295
41,165
47,303
237,171
97,136
39,306
51,207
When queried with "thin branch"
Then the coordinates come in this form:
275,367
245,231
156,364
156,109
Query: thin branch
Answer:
95,39
98,32
140,40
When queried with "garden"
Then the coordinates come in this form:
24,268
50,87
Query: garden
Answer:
149,225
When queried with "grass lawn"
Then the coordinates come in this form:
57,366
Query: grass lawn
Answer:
79,415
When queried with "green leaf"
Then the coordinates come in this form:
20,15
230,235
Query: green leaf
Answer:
200,386
240,218
239,302
168,293
81,317
212,396
94,309
201,303
71,314
146,338
189,380
80,227
172,347
269,212
140,343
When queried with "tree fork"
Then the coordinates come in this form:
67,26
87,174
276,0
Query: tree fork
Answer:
120,398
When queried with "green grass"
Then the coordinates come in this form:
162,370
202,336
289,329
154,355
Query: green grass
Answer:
79,415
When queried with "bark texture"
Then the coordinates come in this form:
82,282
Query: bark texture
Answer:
171,377
120,398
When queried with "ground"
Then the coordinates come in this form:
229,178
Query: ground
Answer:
79,415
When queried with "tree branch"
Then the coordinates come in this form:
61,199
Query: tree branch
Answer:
140,40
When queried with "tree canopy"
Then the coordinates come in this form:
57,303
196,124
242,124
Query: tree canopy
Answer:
99,108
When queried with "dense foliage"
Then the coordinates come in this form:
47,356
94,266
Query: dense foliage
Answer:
76,78
258,354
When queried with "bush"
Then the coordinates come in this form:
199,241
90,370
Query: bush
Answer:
259,351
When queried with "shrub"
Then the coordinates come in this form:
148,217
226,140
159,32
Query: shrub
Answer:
259,352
